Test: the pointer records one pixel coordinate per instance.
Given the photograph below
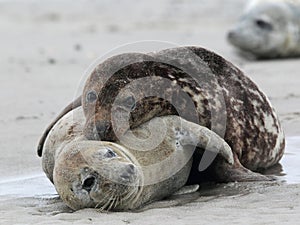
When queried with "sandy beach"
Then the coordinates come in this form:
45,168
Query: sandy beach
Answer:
46,49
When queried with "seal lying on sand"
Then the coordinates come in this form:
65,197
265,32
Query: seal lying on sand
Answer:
109,176
200,86
269,29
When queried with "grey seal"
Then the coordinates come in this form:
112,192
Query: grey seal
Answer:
268,29
109,176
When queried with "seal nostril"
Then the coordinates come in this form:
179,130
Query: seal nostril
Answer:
102,128
88,183
130,169
125,176
230,35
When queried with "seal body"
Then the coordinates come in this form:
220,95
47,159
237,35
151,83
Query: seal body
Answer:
198,85
110,176
268,29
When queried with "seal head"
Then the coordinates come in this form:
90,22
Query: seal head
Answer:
119,96
268,29
94,174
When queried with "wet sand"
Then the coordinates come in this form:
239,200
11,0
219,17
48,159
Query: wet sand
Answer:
46,46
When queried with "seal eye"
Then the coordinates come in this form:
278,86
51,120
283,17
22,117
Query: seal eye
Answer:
264,24
88,183
110,153
91,96
130,103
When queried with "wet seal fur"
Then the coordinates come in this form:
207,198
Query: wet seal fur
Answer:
268,29
216,95
109,176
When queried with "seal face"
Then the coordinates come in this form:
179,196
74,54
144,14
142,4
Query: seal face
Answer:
100,175
268,29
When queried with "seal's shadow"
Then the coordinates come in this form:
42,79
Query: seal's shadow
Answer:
40,205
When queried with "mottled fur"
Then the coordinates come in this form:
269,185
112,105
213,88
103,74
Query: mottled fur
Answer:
223,99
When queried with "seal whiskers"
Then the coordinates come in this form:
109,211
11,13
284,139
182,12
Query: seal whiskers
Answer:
106,205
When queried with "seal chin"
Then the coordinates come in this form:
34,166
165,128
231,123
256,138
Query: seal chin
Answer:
115,196
118,191
99,130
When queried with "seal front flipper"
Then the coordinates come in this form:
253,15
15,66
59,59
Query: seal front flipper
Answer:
183,196
187,189
213,156
76,103
188,133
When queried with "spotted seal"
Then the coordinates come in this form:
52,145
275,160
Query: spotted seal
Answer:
202,87
268,29
109,176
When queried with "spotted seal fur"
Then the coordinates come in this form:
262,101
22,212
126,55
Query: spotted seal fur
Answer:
110,176
268,29
197,84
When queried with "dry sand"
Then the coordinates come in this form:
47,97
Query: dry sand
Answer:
46,47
